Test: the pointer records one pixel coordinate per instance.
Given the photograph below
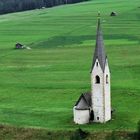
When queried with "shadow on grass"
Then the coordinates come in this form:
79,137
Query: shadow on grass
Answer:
62,41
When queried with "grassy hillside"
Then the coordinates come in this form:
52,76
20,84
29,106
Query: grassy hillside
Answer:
39,87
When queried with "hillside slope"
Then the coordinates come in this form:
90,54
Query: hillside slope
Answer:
39,87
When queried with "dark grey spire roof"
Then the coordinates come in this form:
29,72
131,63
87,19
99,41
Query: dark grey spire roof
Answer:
84,102
99,49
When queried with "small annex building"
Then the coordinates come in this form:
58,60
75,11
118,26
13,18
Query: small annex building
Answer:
83,108
96,105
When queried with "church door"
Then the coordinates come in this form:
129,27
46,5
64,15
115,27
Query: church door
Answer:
91,115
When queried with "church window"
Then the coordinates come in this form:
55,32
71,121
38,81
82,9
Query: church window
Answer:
97,64
97,118
97,78
106,79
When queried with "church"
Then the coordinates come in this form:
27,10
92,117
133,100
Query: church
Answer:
95,106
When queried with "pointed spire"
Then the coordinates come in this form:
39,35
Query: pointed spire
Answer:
99,49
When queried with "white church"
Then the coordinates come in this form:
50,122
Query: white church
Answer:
96,105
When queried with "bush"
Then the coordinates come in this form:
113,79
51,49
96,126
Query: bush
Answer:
79,134
138,131
113,136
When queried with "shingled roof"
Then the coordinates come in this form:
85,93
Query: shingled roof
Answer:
99,49
84,102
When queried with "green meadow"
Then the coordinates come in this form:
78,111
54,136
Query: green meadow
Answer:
39,87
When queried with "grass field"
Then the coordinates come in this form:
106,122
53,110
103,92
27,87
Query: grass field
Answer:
39,87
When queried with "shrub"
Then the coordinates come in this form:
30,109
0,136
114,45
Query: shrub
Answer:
138,131
79,134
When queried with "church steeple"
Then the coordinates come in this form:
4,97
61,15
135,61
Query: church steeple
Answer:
99,49
96,106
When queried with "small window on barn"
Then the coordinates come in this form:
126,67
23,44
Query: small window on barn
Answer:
97,78
106,79
97,118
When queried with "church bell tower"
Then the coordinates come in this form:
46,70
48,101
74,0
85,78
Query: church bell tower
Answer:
100,81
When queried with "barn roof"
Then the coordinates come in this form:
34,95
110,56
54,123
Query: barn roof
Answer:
84,102
99,52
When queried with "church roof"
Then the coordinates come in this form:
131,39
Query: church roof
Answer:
99,49
84,102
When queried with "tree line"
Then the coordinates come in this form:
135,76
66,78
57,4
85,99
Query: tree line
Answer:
8,6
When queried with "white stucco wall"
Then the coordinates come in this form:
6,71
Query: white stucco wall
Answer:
101,100
97,93
107,93
81,116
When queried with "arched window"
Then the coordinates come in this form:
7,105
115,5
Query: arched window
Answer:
97,78
97,64
106,79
